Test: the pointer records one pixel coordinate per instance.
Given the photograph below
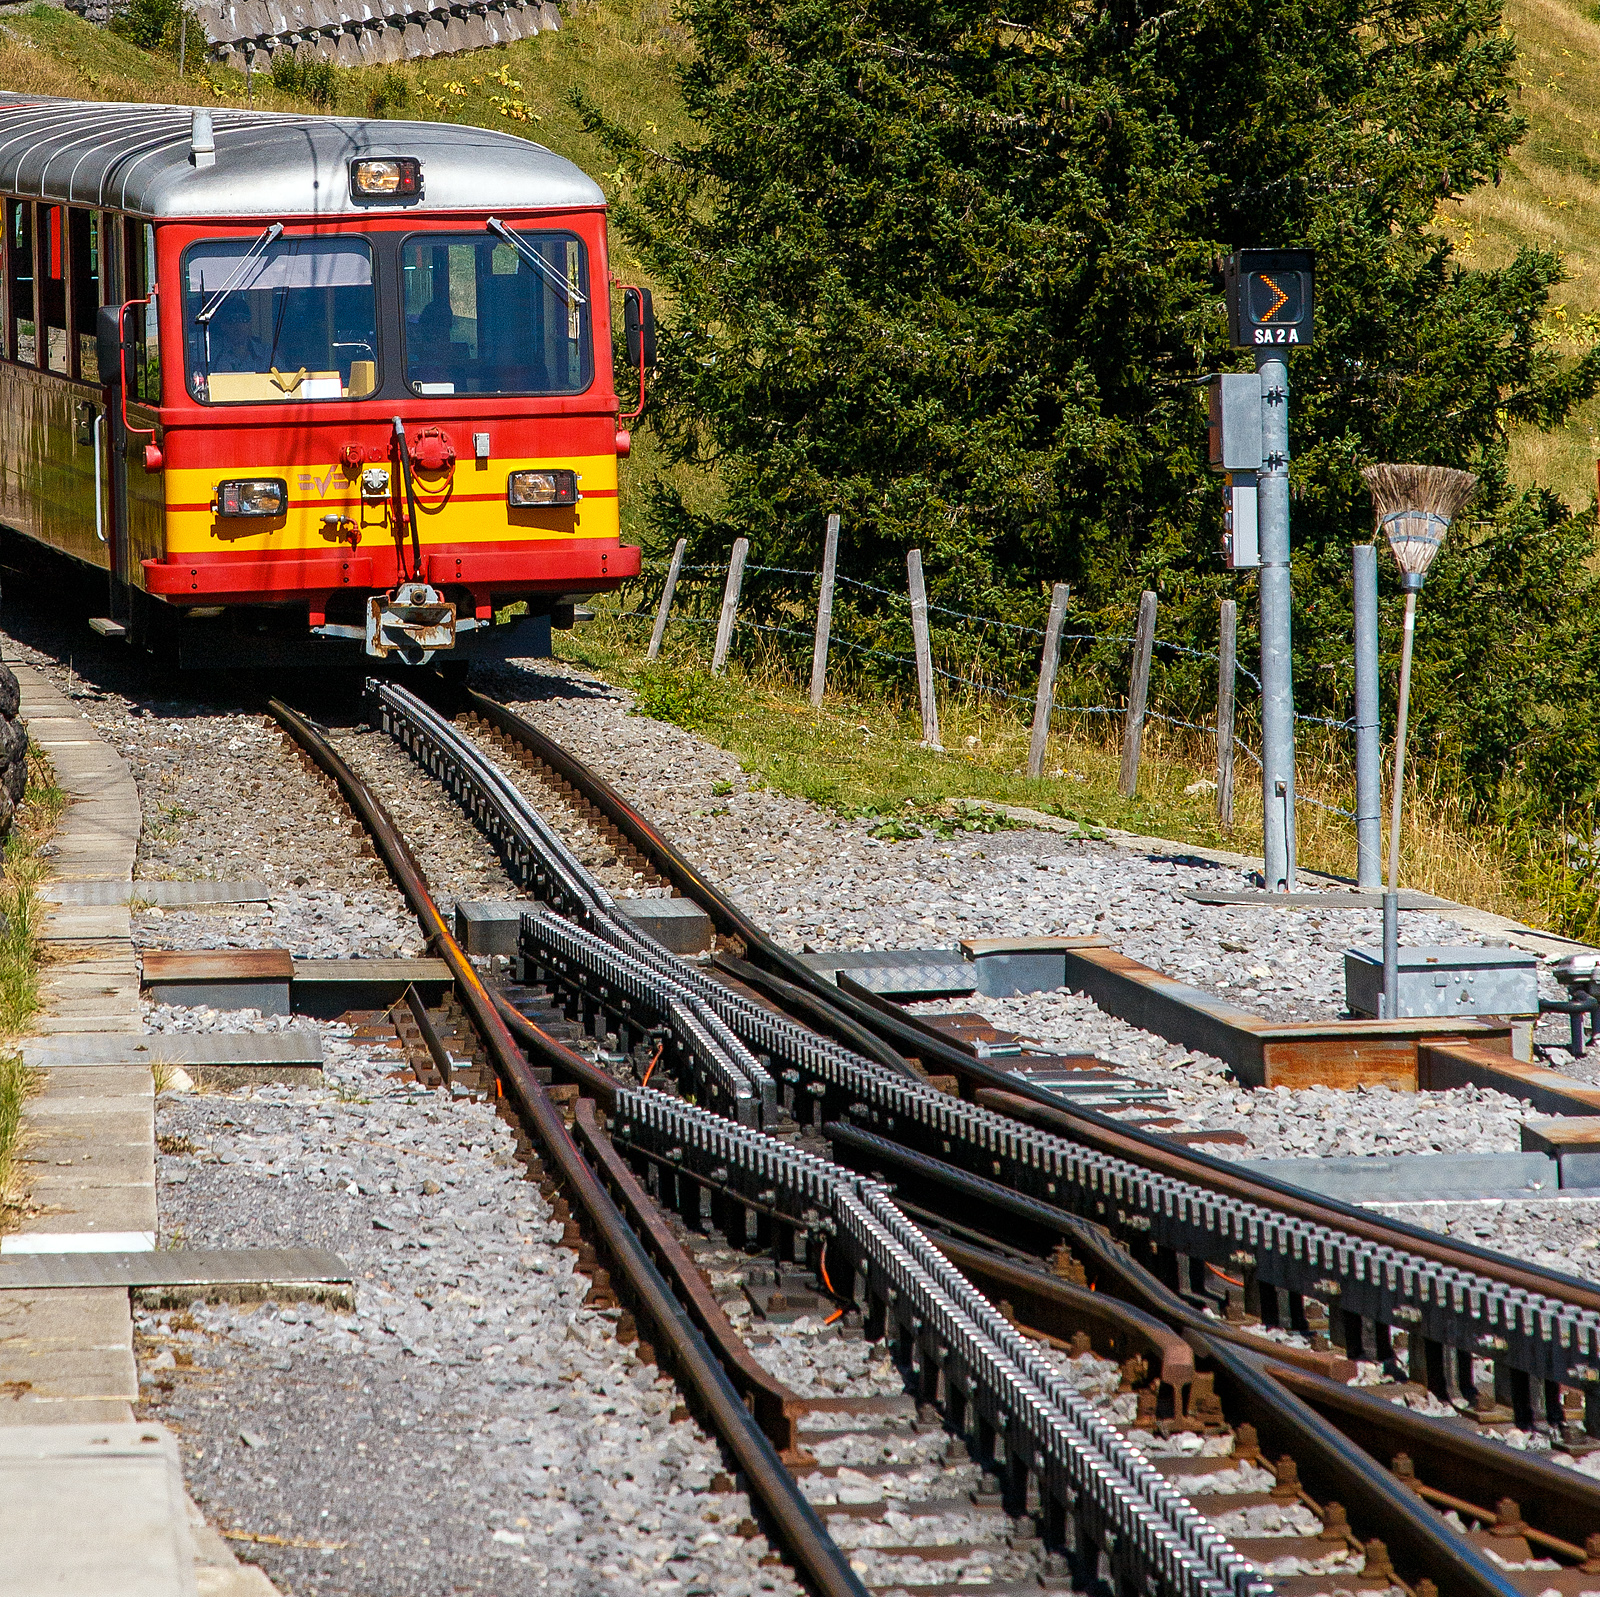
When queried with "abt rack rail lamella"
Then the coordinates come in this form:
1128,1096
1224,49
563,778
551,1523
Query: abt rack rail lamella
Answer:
302,383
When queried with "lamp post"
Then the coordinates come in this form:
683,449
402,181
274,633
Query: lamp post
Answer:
1413,506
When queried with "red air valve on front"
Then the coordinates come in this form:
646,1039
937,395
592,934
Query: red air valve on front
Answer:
433,451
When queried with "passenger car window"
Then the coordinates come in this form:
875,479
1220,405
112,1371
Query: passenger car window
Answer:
83,228
483,318
281,319
23,343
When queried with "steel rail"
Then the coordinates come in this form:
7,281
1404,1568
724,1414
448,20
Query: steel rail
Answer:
1390,1501
1342,1472
799,1529
1461,1463
775,973
1146,1525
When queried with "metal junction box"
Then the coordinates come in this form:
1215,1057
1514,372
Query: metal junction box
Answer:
1233,436
1446,983
1241,525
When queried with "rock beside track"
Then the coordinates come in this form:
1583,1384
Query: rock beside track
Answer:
13,749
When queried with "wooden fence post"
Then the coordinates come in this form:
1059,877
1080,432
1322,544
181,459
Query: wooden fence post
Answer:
1045,699
819,648
1225,679
1138,692
919,631
730,604
667,592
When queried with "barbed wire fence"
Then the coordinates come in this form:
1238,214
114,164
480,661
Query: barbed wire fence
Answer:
891,642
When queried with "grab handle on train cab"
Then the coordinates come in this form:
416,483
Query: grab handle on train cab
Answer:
639,333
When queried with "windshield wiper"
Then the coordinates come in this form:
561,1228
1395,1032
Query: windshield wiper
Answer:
569,291
251,256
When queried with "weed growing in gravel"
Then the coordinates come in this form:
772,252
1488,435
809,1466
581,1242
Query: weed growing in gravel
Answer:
20,872
17,1082
941,821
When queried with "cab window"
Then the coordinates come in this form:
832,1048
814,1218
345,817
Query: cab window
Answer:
488,316
286,319
142,324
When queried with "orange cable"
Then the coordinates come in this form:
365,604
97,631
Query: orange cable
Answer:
654,1060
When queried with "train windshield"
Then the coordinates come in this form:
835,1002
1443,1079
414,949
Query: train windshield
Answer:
488,313
280,319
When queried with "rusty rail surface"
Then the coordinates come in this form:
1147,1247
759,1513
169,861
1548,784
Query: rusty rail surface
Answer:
1045,1299
797,1527
779,976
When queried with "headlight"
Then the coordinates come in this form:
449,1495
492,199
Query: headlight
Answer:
525,488
253,496
396,177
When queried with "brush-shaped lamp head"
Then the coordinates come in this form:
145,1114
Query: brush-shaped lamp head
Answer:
1413,507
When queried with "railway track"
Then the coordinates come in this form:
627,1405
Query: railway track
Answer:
1050,1434
1315,1265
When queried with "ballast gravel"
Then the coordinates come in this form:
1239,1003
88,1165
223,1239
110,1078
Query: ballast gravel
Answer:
821,881
471,1427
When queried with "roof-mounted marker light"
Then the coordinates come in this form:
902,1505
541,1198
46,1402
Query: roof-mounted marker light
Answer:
202,141
395,177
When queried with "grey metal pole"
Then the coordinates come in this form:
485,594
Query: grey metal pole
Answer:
1277,657
1391,898
1369,764
1228,642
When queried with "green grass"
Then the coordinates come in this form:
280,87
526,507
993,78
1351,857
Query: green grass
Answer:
21,869
861,754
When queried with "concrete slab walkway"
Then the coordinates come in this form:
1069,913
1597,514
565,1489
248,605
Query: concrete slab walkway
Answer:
95,1498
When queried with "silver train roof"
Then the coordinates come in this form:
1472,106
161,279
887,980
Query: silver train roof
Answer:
136,158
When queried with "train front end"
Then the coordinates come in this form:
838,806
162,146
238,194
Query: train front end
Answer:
385,423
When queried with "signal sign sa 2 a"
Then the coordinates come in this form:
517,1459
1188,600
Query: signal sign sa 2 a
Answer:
1269,298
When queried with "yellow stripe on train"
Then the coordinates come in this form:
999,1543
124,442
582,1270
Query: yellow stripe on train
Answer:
473,510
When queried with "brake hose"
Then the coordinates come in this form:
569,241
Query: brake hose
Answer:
411,498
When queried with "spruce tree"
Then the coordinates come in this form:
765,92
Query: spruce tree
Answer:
949,270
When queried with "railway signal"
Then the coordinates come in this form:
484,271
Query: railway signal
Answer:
1270,302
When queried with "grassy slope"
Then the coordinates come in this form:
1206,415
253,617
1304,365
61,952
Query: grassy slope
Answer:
1550,195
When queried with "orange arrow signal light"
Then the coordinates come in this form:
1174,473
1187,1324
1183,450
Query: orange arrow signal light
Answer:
1277,304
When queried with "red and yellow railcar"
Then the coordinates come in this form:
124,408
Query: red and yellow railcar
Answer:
303,385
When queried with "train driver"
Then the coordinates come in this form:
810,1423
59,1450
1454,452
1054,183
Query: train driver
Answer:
234,347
